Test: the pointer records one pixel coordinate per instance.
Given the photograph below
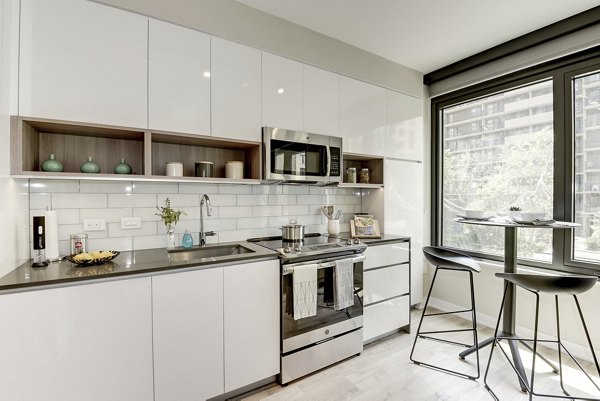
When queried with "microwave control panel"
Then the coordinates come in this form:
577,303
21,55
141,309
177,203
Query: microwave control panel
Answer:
335,155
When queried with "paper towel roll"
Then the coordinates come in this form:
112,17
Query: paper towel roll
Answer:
51,235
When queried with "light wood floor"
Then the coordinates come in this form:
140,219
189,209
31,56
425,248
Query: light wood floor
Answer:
384,372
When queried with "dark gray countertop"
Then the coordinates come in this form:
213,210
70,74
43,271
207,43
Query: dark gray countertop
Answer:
385,239
127,263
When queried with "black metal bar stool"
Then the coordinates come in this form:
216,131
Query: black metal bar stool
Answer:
445,259
556,284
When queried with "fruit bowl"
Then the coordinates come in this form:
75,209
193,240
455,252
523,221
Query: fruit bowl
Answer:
92,258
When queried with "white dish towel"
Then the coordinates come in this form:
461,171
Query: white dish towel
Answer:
343,284
305,291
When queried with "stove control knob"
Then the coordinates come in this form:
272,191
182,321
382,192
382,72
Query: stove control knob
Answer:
287,249
356,241
348,242
297,248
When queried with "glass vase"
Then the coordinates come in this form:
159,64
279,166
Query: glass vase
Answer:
170,239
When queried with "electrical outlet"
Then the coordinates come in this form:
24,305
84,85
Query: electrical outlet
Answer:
94,224
130,223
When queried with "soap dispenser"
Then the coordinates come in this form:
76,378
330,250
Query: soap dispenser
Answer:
187,241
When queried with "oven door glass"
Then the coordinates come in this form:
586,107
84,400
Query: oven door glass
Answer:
326,313
299,159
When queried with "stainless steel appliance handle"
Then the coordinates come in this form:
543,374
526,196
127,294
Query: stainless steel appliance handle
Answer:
321,265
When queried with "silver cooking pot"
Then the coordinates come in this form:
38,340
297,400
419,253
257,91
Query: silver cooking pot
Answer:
292,231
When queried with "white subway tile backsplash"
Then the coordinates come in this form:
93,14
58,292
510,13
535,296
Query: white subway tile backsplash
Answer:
220,224
282,199
142,187
80,201
232,189
132,200
279,221
192,225
105,187
178,200
66,230
245,223
235,211
148,228
310,199
295,190
265,211
40,201
198,188
149,241
267,189
106,244
146,213
193,212
54,186
111,215
295,210
234,235
68,216
252,200
223,200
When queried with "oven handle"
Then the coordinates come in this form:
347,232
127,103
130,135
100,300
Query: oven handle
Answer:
322,265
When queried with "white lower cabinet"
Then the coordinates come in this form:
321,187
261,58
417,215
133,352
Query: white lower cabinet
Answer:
83,342
188,335
386,289
215,329
251,323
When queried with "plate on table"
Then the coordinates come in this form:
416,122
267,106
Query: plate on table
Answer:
535,222
486,217
92,258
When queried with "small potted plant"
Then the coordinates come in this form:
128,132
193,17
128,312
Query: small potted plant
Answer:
514,212
170,217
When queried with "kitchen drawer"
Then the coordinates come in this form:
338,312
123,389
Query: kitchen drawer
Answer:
386,317
388,282
386,255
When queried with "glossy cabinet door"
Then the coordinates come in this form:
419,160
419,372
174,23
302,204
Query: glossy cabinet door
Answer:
82,61
321,101
251,323
235,90
362,117
404,126
88,342
404,186
188,335
281,92
179,79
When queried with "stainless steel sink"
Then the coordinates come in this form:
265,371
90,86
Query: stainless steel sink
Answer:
196,253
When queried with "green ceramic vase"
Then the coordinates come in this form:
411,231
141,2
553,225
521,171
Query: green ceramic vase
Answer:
52,165
90,166
122,168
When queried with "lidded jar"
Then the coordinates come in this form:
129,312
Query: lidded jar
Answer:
364,177
351,175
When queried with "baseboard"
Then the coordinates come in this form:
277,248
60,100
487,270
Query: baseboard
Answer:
577,350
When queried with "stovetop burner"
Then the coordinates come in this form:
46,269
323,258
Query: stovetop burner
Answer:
314,246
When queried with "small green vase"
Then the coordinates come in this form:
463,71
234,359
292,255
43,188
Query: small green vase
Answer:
90,166
122,168
52,165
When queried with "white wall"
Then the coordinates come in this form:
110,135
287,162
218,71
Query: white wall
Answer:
14,194
240,23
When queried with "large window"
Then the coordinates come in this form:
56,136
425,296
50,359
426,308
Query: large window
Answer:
497,153
530,139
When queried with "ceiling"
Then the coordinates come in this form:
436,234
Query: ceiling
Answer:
422,34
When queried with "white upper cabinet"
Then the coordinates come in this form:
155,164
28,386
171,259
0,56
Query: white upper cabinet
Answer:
404,126
282,96
321,101
235,91
362,117
82,61
179,79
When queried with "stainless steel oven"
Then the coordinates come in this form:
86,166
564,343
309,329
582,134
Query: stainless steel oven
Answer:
300,157
313,342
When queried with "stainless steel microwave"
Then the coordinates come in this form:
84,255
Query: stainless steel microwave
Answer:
298,157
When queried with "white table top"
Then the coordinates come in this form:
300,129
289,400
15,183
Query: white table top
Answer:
508,222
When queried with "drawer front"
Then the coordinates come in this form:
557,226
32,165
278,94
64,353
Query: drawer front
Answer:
386,283
385,255
385,317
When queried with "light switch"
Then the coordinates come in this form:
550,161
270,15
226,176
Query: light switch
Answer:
131,223
94,225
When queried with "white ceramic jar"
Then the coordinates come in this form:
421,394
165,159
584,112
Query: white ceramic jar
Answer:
234,169
175,169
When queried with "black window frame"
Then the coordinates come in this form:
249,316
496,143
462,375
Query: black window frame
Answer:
560,72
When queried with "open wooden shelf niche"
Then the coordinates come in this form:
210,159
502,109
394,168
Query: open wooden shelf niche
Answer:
373,163
147,152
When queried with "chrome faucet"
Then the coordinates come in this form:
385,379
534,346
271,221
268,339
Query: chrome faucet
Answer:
203,235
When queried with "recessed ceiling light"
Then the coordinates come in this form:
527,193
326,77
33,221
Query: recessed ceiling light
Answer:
206,74
280,90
